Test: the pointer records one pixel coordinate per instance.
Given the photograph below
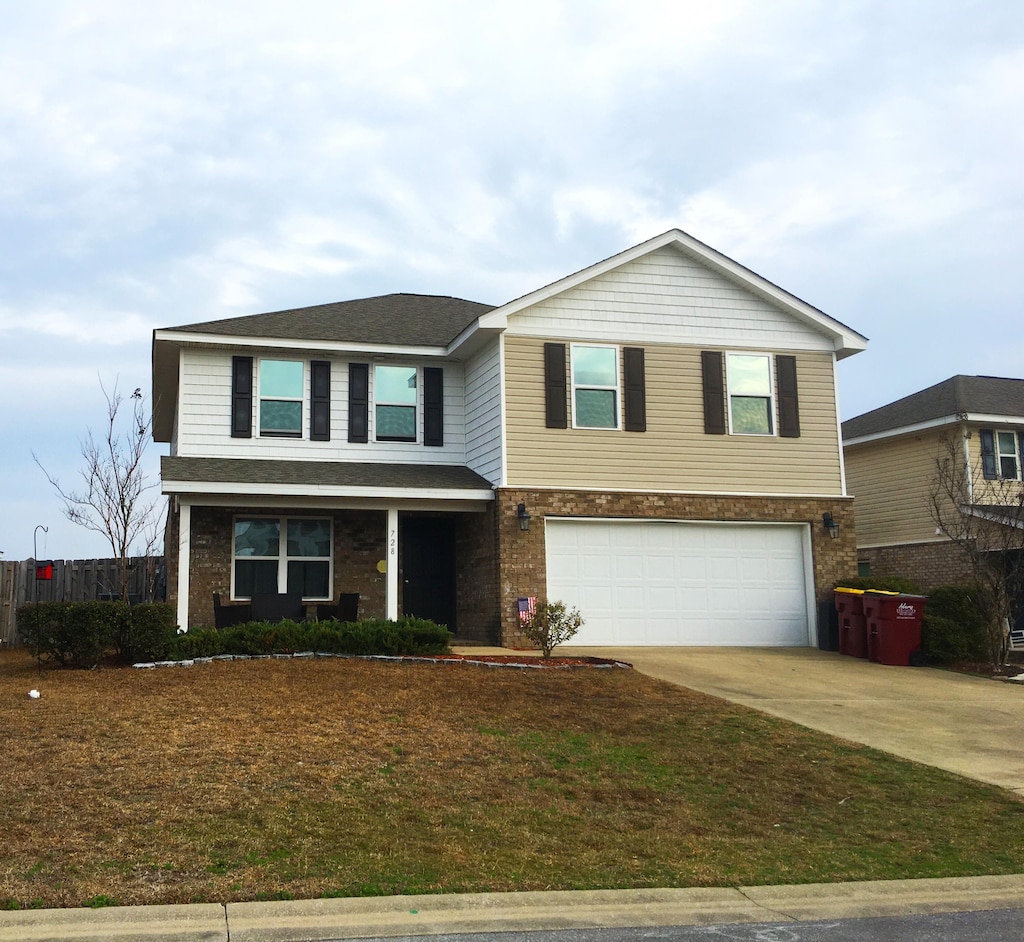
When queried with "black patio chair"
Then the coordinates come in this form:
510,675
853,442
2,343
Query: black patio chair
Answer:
277,606
224,616
347,608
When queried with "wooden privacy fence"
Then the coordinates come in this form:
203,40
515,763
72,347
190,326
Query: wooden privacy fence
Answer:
75,580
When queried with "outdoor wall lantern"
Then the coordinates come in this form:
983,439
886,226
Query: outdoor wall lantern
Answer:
523,516
830,524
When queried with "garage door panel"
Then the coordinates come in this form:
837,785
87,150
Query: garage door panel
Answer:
666,583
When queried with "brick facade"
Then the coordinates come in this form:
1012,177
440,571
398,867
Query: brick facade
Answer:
359,541
521,556
928,564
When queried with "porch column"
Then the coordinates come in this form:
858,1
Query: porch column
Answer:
184,560
391,592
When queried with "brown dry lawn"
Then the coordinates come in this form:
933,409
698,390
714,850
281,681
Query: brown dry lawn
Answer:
280,779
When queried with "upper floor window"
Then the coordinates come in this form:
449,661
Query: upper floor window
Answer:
395,398
595,386
749,384
1000,454
280,395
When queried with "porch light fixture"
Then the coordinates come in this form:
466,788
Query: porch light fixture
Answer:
830,524
523,516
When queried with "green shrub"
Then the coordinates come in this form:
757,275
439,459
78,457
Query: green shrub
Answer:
954,625
197,642
550,625
372,636
148,634
74,634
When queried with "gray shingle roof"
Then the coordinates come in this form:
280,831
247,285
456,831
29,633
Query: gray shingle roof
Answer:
404,319
984,395
313,474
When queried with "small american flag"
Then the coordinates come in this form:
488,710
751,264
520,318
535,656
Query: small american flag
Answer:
527,609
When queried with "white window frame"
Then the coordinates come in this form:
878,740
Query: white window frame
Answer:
417,407
617,388
301,398
996,432
773,417
282,556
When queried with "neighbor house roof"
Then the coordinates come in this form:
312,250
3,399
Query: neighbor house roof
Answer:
182,475
958,396
400,319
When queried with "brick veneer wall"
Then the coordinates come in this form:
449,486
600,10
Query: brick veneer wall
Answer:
521,556
359,544
476,578
928,564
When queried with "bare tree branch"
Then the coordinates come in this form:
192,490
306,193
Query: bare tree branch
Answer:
114,498
984,518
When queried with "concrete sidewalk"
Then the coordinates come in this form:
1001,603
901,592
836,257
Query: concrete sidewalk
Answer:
972,726
505,912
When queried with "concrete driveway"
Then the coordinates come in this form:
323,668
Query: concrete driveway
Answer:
968,725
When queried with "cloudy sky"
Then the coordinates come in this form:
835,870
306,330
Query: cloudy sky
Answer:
167,163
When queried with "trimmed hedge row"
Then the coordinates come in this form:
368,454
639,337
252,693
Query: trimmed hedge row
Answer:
372,636
80,634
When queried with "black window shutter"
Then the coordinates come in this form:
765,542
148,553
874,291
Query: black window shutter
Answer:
714,392
241,397
433,406
988,454
556,414
320,401
636,389
358,402
789,406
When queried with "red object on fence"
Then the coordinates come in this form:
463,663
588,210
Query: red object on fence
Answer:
44,570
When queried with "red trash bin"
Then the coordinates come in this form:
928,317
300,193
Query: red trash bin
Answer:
893,626
853,638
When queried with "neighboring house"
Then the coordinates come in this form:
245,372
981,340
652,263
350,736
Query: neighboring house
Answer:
892,462
654,440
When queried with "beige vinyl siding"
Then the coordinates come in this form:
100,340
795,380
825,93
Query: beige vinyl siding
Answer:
673,454
891,481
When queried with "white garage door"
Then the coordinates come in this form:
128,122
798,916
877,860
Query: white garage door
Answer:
668,583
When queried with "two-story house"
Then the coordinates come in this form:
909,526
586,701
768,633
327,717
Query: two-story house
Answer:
654,440
973,426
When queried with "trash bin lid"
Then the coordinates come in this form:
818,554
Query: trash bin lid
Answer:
881,592
849,591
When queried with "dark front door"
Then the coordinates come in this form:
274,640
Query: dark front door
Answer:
428,569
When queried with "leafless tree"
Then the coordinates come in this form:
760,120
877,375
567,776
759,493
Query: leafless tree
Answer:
984,518
115,499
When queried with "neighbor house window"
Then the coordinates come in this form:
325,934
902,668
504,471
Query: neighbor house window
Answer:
1006,455
749,385
280,389
395,398
595,386
282,554
1000,455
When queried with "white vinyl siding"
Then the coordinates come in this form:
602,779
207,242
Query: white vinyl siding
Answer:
667,297
483,413
204,422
